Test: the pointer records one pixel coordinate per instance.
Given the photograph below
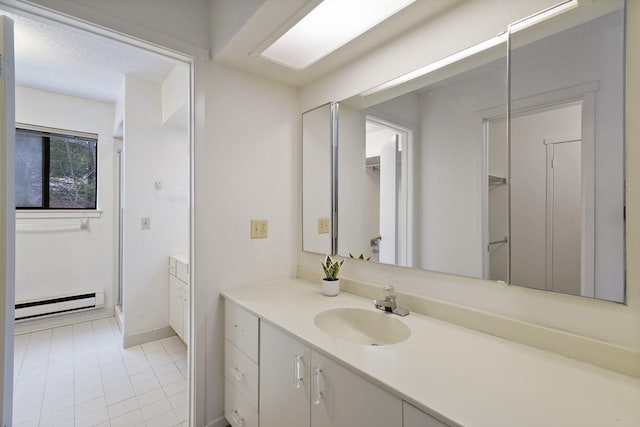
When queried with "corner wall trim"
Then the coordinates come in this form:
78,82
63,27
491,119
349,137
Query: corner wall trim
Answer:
220,422
147,336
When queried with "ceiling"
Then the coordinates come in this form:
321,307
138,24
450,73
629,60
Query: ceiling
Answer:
77,63
272,18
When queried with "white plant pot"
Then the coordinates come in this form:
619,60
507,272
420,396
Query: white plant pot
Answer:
330,288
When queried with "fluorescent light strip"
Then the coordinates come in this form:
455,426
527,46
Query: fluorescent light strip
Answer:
480,47
441,63
332,24
543,16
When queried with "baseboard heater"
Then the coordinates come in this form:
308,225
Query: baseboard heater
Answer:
54,306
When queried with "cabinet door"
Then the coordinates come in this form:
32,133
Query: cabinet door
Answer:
341,398
176,306
413,417
285,366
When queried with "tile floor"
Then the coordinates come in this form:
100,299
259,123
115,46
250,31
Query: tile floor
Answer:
80,376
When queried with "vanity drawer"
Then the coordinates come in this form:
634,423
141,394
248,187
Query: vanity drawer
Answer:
241,328
242,372
182,271
172,266
237,410
413,417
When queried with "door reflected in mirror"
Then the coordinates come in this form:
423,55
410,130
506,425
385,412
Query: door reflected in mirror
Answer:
386,192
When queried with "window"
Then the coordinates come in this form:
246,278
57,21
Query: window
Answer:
55,170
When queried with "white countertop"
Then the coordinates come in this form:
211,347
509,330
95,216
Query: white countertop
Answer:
460,375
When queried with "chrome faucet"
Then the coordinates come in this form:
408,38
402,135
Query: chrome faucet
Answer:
389,302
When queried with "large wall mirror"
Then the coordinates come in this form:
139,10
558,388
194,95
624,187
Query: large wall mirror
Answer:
505,162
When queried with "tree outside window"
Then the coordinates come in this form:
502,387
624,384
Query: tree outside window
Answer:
55,171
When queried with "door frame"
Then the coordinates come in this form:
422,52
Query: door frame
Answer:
407,158
196,349
7,220
584,93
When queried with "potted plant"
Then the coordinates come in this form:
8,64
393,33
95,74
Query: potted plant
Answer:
331,282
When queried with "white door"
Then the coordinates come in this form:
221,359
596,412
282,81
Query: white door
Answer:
564,216
7,215
340,398
285,373
389,201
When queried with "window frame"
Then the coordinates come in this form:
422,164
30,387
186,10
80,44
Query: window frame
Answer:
46,134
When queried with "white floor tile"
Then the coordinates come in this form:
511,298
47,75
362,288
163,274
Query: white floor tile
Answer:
146,386
119,395
50,406
123,407
150,397
179,386
182,413
60,417
178,400
154,409
165,369
168,419
170,378
91,413
80,376
131,419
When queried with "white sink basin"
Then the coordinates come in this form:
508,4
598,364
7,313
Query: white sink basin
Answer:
367,327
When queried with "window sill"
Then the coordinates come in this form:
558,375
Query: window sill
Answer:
57,213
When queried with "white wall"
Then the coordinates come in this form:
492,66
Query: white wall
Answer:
449,170
87,261
614,323
175,96
247,166
154,152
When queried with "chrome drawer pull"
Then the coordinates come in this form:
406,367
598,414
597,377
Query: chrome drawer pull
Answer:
317,393
297,371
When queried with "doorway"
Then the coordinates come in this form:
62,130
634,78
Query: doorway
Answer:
151,191
546,200
386,191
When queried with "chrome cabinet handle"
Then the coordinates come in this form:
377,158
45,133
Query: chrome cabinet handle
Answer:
237,418
297,371
237,374
317,393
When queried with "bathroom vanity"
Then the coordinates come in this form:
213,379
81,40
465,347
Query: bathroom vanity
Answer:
179,292
282,369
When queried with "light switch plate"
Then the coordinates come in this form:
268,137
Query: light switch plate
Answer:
323,225
259,228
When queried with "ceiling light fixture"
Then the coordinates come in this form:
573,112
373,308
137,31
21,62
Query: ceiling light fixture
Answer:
480,47
330,25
